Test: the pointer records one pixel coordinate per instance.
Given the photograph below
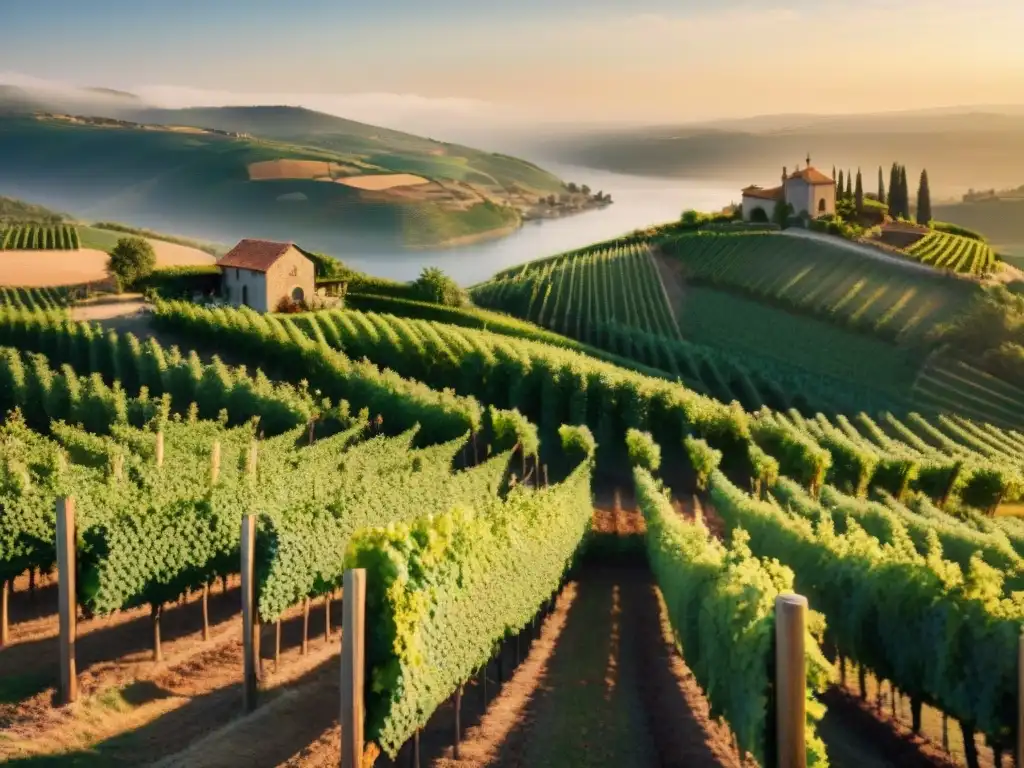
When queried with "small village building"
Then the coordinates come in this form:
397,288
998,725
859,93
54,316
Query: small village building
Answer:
808,191
263,274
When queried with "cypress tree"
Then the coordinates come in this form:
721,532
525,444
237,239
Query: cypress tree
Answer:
894,191
849,185
881,186
858,194
924,200
839,187
904,193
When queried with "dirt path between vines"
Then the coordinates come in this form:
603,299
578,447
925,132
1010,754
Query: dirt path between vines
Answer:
671,273
600,685
612,691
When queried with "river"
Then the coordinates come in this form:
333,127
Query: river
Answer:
637,202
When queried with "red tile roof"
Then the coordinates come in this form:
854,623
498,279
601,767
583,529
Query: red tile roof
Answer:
812,176
775,193
257,255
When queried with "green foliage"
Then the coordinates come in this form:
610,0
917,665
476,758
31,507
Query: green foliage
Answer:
49,237
278,344
443,591
924,200
548,385
43,299
703,458
990,334
798,455
133,367
513,431
577,438
319,497
199,245
574,293
133,258
955,229
952,252
435,287
822,280
937,633
179,282
721,603
643,451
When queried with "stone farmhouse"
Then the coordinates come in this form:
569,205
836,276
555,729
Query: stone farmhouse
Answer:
808,190
262,274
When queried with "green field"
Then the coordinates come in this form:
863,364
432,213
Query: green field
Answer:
612,297
829,282
957,387
39,237
36,298
198,183
743,326
955,253
579,294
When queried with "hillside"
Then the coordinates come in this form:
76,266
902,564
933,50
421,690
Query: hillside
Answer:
763,319
235,175
1001,221
960,151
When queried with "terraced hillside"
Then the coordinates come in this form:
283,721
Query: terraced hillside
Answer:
585,294
816,278
954,252
339,182
613,297
956,387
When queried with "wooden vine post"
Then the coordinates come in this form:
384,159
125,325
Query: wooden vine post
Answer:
160,448
353,661
249,648
66,595
458,723
327,617
790,680
305,626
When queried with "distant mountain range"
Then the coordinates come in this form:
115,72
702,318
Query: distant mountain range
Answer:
962,147
222,173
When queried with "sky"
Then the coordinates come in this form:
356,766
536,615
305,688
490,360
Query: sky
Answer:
521,61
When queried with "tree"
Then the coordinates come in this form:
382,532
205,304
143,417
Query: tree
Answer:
858,195
881,186
131,259
585,190
849,185
924,200
436,287
840,188
894,191
904,193
691,218
571,186
781,214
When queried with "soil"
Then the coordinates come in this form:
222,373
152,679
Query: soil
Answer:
599,682
602,685
383,181
37,269
132,710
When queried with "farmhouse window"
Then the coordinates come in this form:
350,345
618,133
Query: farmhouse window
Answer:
237,272
294,272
